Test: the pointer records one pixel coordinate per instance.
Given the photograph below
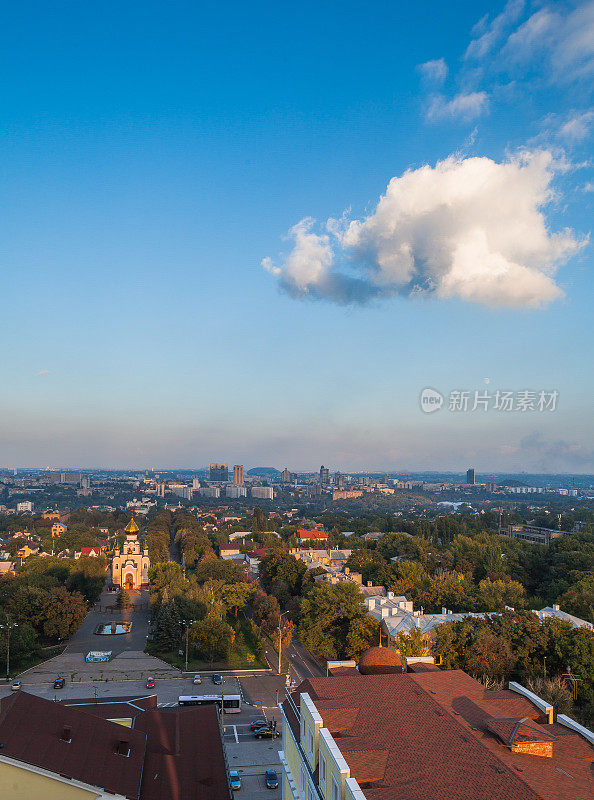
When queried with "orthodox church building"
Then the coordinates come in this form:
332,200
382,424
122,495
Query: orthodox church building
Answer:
129,568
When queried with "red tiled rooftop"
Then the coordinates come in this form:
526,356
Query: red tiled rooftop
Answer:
433,727
31,730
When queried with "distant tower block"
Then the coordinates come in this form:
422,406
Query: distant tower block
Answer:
238,475
470,476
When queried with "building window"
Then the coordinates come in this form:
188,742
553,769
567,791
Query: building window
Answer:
303,783
310,794
310,741
333,788
302,729
323,774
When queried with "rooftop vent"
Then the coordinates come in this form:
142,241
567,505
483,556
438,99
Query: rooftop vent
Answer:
66,735
523,736
123,748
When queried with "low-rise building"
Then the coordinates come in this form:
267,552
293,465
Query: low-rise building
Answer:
532,533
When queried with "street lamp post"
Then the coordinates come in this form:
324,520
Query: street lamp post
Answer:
280,639
188,623
8,627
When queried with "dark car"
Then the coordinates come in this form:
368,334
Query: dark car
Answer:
59,683
266,733
271,779
217,679
258,723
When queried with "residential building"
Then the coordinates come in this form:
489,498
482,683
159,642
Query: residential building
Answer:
376,733
346,494
92,552
238,475
313,534
6,568
235,492
470,476
210,491
324,475
125,748
227,551
25,507
58,528
219,472
263,492
286,476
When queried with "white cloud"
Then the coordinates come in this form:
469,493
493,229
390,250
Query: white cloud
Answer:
42,373
469,228
577,126
464,107
561,41
434,72
490,34
588,187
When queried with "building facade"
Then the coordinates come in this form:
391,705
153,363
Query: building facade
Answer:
219,472
238,475
130,566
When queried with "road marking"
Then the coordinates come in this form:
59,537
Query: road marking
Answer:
236,736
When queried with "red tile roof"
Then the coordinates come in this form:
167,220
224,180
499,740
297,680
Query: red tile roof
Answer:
31,730
185,759
174,753
305,535
434,728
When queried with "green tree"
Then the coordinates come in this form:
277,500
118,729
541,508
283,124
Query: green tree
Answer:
63,613
282,575
327,613
212,639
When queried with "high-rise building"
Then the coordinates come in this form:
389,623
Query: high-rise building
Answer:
219,472
470,476
286,476
324,475
238,475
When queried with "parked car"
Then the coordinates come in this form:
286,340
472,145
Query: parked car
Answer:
271,779
217,679
150,684
266,733
59,683
196,679
235,779
16,685
258,723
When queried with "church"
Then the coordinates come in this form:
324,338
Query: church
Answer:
129,568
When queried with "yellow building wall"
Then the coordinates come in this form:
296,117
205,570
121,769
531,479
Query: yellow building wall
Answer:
331,770
21,784
292,756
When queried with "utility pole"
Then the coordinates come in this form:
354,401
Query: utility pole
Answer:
280,639
8,627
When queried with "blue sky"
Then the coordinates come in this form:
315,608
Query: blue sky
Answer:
154,154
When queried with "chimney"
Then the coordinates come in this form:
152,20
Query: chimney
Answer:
347,570
66,735
444,610
556,607
369,583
